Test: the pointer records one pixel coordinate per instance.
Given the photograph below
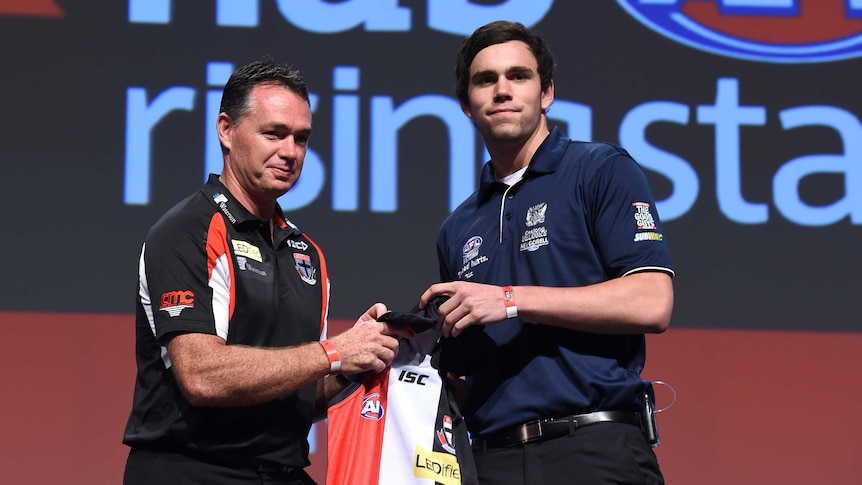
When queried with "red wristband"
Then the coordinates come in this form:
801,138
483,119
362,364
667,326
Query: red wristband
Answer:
509,300
334,359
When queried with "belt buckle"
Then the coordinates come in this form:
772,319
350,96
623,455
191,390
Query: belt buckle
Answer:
273,469
530,431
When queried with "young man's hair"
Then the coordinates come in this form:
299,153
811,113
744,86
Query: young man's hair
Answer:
234,100
497,33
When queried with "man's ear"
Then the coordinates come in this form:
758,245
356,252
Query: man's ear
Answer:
548,96
224,128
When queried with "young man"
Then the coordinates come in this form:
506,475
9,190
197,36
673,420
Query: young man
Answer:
556,267
232,310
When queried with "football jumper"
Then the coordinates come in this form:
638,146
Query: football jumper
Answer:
583,213
209,266
400,426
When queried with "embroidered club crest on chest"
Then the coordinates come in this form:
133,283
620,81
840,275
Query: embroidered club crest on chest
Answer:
306,270
444,435
536,236
536,214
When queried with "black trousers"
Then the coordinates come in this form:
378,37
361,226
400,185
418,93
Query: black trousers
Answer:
144,467
601,454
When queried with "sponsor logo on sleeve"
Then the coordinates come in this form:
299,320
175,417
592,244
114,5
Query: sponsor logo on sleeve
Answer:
175,302
645,222
643,217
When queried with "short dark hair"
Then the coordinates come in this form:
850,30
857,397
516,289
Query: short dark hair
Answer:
499,32
234,99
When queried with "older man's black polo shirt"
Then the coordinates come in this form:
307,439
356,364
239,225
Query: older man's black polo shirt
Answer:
209,266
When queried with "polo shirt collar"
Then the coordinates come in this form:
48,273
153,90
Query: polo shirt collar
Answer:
545,160
236,213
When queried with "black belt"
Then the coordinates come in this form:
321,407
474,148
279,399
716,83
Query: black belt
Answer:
234,461
228,460
546,429
275,469
261,467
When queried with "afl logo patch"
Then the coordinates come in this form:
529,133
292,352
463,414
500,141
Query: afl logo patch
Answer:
372,408
779,31
472,244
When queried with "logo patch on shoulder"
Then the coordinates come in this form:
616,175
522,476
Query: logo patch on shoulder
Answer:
372,408
643,217
300,245
645,222
174,302
307,271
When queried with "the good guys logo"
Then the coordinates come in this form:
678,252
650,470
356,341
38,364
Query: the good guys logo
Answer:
780,31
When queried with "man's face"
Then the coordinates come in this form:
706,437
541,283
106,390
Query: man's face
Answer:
505,93
266,148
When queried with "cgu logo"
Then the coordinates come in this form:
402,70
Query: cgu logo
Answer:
31,8
779,31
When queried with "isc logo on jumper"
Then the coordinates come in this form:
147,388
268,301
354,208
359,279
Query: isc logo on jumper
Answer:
780,31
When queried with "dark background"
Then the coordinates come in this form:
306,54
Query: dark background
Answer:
763,346
72,244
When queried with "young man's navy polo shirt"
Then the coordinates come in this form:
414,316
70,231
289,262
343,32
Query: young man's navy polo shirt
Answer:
582,214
